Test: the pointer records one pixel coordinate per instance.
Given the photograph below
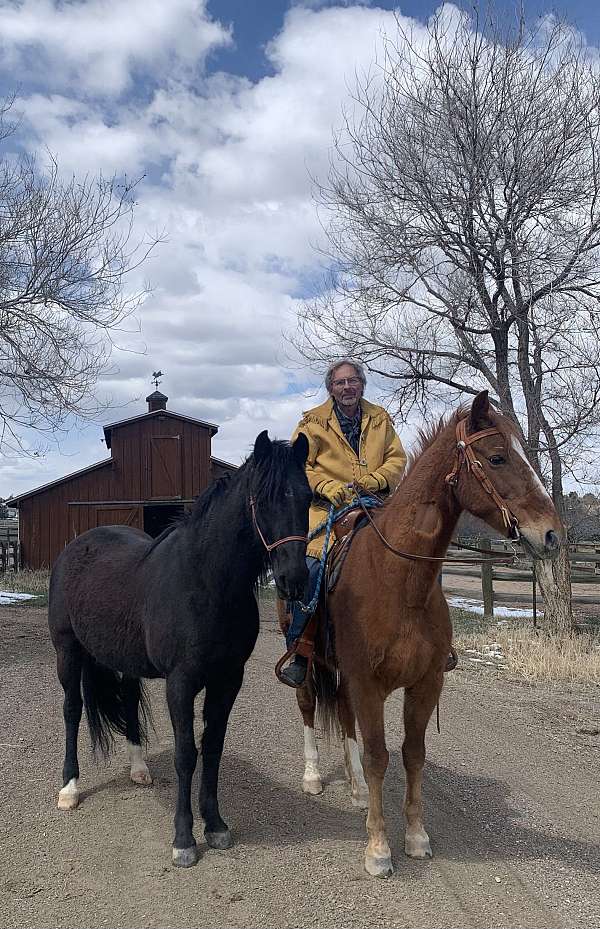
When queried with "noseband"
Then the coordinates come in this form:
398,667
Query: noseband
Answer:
273,545
465,455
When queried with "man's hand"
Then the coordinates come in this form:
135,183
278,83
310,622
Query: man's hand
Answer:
371,484
335,491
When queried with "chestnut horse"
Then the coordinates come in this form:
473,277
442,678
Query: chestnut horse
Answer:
390,619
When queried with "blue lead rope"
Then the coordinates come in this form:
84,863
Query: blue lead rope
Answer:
327,524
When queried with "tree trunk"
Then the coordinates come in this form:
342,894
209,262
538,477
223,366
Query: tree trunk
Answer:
554,579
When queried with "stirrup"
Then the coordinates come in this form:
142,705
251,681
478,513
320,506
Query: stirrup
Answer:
279,672
451,661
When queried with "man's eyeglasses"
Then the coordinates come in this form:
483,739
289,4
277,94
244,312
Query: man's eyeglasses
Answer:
350,381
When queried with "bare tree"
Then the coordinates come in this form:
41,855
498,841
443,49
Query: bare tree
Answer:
463,219
65,249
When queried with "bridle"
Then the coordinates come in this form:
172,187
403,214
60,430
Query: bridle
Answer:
465,455
273,545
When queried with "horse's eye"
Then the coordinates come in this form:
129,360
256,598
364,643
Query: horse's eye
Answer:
496,460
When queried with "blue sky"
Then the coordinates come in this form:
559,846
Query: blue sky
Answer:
255,23
227,107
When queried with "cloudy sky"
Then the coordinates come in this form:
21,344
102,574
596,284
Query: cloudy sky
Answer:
227,107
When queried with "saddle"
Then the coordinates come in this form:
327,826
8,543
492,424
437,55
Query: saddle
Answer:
344,530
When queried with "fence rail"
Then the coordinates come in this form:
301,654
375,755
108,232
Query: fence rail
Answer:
9,556
584,558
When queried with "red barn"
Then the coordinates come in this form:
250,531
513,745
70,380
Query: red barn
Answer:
159,461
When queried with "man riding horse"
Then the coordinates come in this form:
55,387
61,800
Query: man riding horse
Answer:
352,443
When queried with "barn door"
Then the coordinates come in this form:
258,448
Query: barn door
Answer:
119,516
165,466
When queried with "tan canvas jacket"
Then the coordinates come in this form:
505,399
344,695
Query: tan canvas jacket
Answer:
331,457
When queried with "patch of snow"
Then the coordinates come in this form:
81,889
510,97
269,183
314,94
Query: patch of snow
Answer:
9,596
474,606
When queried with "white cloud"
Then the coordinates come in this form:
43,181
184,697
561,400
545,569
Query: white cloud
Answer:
100,46
229,165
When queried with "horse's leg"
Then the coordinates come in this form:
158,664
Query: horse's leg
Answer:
419,702
311,781
181,692
68,666
218,701
369,708
354,768
138,770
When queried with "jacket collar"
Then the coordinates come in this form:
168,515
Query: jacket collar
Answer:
325,414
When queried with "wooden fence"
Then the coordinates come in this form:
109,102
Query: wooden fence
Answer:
585,576
9,545
9,556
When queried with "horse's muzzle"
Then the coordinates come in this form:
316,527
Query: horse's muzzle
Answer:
541,544
293,590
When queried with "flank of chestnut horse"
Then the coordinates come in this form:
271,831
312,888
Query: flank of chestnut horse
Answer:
392,622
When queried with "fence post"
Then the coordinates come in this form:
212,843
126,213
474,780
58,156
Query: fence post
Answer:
534,593
487,583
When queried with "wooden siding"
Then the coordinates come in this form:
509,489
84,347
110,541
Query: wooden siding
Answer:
47,523
161,458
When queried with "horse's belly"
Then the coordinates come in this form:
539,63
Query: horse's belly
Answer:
115,642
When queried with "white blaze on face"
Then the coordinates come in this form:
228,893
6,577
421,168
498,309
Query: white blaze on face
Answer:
519,450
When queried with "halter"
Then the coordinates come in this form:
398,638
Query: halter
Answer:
273,545
465,455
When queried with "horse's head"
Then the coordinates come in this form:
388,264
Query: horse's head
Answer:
281,497
494,480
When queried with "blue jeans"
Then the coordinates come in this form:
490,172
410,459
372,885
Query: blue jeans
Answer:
299,617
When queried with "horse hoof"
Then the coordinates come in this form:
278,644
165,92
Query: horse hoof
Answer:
220,840
312,787
185,857
417,846
142,777
68,801
379,867
361,801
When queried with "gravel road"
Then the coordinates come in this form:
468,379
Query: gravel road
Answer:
511,793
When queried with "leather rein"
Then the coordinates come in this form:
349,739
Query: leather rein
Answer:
464,455
273,545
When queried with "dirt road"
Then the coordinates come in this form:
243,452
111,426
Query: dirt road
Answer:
511,794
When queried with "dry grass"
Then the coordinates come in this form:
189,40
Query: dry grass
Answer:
535,658
26,581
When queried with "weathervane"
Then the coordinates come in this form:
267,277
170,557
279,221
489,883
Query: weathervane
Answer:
156,375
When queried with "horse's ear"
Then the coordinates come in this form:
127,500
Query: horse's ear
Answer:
479,418
300,448
262,446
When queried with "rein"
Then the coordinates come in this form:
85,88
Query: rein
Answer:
464,455
273,545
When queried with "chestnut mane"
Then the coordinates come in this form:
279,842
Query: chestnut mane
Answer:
431,431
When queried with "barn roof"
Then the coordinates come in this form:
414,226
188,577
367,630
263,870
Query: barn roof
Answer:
60,480
212,427
227,464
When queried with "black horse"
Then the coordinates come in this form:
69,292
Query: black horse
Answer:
124,607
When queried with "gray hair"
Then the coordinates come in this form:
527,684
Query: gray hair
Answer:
360,371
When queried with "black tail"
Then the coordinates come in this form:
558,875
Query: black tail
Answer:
326,684
103,698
